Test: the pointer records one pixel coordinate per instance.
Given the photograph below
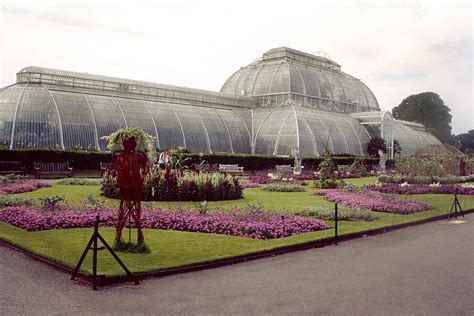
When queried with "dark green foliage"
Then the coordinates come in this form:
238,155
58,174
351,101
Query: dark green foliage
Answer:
397,149
327,178
82,160
428,109
465,142
374,145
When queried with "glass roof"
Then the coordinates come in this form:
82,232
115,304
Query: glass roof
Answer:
288,71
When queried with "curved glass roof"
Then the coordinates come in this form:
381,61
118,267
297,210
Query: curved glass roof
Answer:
410,139
278,130
37,115
309,80
300,95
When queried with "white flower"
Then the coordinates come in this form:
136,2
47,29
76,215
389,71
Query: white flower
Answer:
270,175
435,184
468,185
405,184
284,179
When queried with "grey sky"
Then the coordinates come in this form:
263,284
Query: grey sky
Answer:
397,48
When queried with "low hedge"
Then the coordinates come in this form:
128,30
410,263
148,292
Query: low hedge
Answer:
90,160
268,162
79,160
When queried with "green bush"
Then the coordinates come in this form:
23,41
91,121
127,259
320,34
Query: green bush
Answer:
330,183
283,187
343,214
78,181
14,200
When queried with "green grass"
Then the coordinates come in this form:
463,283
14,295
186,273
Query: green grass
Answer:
172,249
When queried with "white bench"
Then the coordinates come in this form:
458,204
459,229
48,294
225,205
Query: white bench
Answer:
232,169
284,169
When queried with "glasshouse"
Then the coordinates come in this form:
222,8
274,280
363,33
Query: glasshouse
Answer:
285,100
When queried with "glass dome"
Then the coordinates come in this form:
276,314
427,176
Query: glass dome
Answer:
285,74
286,100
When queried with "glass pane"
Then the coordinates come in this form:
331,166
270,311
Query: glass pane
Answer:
37,122
76,119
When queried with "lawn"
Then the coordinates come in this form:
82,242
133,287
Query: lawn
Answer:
175,249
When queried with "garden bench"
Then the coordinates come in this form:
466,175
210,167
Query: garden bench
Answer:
343,168
284,169
8,167
53,168
232,169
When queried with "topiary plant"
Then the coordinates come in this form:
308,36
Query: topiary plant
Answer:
144,141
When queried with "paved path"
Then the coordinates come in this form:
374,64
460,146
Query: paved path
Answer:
427,269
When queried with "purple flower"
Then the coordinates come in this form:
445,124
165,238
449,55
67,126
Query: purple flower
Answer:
257,225
20,187
374,201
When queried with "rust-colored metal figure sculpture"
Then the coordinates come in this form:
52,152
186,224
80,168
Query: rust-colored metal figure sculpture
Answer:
130,167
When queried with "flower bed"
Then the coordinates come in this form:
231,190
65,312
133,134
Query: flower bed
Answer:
257,225
373,201
22,186
394,188
176,185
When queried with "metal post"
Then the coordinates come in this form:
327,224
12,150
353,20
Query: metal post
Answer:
94,253
335,217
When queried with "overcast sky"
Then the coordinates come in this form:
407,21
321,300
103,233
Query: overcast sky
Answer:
397,48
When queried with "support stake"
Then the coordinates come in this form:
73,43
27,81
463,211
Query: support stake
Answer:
454,207
93,241
335,228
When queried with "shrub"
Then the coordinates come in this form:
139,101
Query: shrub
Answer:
176,185
78,181
283,187
343,214
14,200
51,200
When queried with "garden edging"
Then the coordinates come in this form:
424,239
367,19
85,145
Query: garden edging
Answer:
107,281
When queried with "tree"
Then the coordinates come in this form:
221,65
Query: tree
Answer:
374,145
465,142
428,109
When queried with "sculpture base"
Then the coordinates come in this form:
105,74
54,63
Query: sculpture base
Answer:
141,247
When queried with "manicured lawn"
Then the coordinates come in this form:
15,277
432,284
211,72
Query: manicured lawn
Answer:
173,249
